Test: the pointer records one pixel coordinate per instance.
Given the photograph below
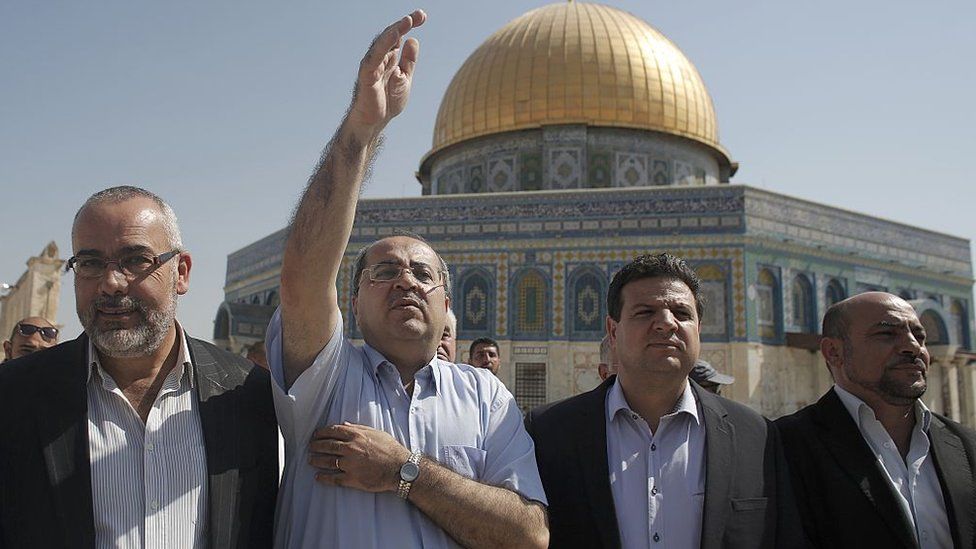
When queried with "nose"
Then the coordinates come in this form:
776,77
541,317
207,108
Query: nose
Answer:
911,345
405,280
35,340
113,280
664,321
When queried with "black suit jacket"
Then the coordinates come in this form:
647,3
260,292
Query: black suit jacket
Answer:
45,472
747,496
844,497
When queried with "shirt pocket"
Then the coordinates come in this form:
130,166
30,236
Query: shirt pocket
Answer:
466,461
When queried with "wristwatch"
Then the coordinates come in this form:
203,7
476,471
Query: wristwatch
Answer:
409,472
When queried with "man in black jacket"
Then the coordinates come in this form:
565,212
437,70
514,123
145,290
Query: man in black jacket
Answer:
649,458
134,434
871,465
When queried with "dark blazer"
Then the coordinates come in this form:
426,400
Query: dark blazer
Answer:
45,473
747,497
844,497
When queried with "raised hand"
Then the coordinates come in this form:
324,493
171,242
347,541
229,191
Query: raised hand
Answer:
357,456
385,75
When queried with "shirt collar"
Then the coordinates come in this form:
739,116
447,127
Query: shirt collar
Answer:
376,359
687,404
861,412
183,358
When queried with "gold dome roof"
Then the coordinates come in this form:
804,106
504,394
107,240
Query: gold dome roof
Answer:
576,63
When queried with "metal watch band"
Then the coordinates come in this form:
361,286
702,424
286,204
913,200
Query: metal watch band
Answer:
403,489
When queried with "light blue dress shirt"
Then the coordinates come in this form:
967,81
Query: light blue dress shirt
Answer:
914,479
657,479
459,415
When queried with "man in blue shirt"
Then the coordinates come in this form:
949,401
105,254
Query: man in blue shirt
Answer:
387,445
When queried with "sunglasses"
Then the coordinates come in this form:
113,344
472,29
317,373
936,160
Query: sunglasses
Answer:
28,330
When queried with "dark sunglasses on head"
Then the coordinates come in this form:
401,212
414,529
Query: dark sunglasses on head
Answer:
28,330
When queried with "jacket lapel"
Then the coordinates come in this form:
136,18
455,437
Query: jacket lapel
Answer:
854,457
62,425
956,477
719,454
221,437
591,438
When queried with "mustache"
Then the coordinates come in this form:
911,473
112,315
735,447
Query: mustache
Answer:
118,302
913,361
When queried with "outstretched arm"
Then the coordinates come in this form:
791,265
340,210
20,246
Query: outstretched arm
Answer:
322,223
474,514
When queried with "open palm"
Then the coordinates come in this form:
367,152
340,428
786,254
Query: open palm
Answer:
386,73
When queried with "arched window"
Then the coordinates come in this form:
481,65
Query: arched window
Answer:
222,324
714,291
475,308
255,299
273,299
530,302
835,292
766,304
587,302
960,321
935,328
803,304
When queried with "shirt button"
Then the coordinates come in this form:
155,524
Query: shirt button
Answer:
653,447
635,417
154,505
887,445
654,491
149,447
657,537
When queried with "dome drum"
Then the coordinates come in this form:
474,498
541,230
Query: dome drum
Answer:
569,157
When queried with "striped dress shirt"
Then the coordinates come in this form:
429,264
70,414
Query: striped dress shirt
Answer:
149,481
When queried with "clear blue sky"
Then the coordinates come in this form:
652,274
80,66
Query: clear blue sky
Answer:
223,107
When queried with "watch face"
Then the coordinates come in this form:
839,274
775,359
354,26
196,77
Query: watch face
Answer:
409,471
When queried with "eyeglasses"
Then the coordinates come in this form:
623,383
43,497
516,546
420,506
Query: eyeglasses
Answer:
385,272
89,266
28,330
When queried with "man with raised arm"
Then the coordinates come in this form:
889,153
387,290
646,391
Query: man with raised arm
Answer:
387,445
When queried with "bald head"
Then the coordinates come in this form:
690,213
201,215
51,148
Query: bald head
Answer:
116,195
836,321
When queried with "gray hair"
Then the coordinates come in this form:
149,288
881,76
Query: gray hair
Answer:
361,260
605,350
451,321
122,193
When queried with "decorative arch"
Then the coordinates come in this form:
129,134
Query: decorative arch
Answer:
834,293
222,323
768,305
960,320
804,304
475,303
715,292
587,304
273,299
530,304
935,328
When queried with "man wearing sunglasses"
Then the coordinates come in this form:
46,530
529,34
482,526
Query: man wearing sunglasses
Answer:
134,434
31,334
386,444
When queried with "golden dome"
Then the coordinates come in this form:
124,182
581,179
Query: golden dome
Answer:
576,63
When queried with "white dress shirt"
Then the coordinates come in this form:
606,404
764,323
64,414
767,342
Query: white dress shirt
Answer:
657,478
914,479
149,481
457,414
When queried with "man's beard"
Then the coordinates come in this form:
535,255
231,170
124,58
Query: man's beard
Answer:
888,387
140,340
